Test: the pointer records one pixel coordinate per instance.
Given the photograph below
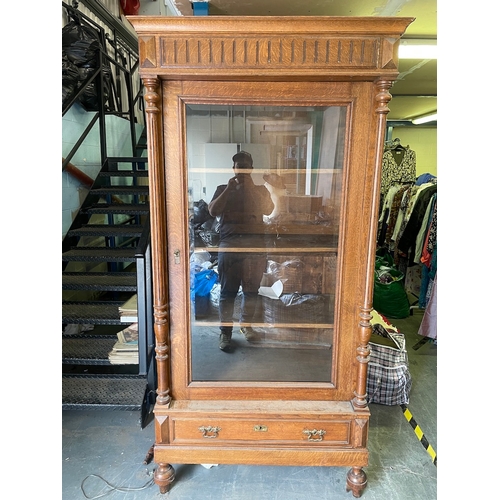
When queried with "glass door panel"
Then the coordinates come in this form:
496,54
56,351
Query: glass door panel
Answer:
265,187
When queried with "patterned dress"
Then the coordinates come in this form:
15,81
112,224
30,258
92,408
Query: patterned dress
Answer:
398,165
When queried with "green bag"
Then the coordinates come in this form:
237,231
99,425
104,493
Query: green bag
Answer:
389,294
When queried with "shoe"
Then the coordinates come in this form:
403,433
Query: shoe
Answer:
249,333
224,342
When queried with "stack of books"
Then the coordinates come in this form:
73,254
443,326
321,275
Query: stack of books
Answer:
128,311
126,349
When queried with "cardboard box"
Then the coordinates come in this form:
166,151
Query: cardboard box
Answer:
298,203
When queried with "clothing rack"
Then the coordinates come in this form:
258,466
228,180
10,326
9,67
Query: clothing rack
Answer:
416,226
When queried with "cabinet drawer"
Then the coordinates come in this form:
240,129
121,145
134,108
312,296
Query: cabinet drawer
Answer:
186,430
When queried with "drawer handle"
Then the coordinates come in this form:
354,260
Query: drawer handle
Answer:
209,432
314,435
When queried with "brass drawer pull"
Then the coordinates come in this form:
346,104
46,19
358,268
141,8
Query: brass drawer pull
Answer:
314,435
260,428
210,432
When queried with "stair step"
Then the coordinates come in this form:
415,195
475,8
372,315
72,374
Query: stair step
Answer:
91,313
116,160
124,173
118,208
99,254
108,230
87,349
122,282
103,392
140,190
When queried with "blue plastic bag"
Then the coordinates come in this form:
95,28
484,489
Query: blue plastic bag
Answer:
202,285
204,281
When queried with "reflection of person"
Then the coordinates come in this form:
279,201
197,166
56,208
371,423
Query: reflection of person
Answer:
241,205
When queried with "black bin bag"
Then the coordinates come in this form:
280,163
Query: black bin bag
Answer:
81,47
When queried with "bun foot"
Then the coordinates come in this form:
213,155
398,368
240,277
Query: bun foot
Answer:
164,477
356,481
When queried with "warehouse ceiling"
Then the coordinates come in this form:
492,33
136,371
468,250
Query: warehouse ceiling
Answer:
415,91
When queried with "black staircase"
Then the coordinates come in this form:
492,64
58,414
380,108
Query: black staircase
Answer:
106,252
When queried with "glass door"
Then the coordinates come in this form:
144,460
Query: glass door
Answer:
265,187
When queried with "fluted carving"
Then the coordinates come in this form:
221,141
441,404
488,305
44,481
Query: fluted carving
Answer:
257,51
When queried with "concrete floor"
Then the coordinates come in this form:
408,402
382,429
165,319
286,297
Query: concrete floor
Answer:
100,447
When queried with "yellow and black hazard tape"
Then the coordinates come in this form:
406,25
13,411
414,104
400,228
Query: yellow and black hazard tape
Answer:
419,433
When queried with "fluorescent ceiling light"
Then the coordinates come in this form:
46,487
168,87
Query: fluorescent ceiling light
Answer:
424,119
417,49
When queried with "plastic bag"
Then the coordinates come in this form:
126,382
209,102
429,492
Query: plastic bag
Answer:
389,294
201,213
89,98
297,308
80,42
202,285
81,46
70,78
289,272
204,281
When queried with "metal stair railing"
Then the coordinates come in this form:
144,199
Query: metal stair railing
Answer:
124,61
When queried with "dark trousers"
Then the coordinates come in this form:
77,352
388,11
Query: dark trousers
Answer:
237,269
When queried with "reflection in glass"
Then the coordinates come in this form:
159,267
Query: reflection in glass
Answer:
264,189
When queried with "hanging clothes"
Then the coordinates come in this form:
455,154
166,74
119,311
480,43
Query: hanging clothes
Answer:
424,179
405,208
423,234
407,241
399,164
397,208
385,214
428,326
393,206
428,259
431,239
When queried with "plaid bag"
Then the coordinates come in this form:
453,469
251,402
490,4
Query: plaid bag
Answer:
389,379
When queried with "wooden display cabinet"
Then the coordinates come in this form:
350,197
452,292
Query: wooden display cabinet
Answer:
307,97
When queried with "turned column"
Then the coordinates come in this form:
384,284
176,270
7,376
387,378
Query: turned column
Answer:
158,217
382,97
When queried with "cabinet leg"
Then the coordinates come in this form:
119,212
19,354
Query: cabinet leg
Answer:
356,481
164,477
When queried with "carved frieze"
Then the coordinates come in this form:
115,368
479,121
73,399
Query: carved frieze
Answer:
272,52
234,47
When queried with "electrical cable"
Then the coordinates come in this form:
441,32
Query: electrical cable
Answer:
125,489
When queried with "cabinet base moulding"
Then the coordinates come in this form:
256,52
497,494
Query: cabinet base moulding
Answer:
261,455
